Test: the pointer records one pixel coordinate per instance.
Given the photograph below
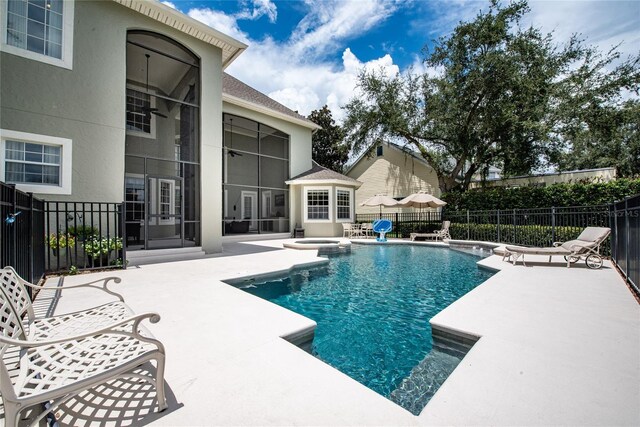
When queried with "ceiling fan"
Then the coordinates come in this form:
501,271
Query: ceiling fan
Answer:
150,110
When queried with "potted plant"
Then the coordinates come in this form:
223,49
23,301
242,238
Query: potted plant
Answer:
83,232
60,241
99,248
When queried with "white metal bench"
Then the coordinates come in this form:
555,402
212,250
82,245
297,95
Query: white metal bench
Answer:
68,324
54,359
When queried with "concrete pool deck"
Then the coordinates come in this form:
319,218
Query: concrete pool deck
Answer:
557,346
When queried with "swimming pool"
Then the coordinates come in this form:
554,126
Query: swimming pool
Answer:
372,308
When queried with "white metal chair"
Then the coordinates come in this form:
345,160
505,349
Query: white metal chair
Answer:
367,230
356,230
347,229
36,369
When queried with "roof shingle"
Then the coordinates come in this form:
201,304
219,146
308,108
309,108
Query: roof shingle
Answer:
320,173
234,87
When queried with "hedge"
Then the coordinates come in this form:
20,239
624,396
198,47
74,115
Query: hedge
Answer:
558,195
528,235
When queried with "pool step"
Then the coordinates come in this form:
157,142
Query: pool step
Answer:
157,256
425,379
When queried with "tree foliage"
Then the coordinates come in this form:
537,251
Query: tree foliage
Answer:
558,195
607,136
328,148
493,94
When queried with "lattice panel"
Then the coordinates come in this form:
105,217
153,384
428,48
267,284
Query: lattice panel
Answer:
79,322
16,291
56,366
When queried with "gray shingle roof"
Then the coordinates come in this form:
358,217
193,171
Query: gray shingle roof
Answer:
320,173
234,87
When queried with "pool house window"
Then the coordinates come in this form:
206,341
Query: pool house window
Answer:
317,204
344,197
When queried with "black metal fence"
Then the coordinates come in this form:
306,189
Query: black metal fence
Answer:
625,239
405,223
531,227
84,236
22,232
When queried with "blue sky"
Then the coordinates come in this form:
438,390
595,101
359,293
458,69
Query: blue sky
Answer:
306,54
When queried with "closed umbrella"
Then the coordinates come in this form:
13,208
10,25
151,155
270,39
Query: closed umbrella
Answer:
380,200
421,200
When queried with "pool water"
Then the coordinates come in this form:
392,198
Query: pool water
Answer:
372,308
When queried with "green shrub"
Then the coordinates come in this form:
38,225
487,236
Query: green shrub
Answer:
558,195
527,235
96,247
83,232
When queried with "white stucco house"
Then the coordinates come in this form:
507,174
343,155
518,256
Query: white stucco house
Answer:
127,101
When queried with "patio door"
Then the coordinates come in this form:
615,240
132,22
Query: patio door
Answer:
165,205
249,208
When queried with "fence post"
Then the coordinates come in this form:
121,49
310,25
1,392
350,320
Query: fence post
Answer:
498,226
627,233
514,241
468,226
614,227
122,232
14,233
553,224
30,244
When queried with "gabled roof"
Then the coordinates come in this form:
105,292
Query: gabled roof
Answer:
321,175
236,92
404,149
166,15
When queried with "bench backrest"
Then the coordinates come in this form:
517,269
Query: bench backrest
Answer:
16,291
594,234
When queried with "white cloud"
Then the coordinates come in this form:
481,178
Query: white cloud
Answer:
604,24
330,22
297,73
260,8
168,3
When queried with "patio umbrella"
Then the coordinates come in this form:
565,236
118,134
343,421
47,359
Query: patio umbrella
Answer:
380,200
421,200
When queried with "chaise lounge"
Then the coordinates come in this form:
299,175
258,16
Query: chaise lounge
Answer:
440,234
586,246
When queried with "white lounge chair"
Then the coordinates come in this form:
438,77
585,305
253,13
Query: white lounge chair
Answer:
36,370
440,234
586,246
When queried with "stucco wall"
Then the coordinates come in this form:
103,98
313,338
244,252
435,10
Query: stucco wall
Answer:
315,228
87,105
395,174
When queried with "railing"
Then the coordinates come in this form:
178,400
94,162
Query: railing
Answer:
625,238
84,236
530,227
405,223
22,232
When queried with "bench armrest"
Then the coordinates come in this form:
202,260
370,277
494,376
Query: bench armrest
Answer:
94,284
111,329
